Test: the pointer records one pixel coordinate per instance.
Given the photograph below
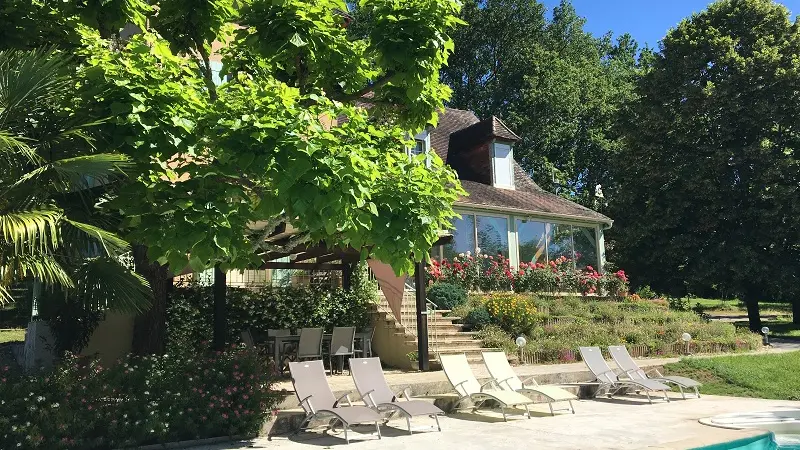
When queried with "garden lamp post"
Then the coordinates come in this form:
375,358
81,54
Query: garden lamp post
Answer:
686,337
765,332
521,341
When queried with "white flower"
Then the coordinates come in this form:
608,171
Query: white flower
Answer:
40,398
13,428
146,392
54,405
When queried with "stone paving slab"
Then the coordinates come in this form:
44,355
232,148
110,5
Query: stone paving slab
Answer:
624,423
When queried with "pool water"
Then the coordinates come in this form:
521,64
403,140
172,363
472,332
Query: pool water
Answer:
767,441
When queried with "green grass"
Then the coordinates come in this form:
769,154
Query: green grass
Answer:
772,376
17,335
734,306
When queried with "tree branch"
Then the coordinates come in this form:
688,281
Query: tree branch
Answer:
359,95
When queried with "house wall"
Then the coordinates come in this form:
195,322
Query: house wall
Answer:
112,338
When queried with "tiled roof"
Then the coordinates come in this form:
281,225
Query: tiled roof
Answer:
459,131
539,201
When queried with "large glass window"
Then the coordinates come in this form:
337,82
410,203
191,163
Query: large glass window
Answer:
585,247
560,241
532,238
463,237
493,235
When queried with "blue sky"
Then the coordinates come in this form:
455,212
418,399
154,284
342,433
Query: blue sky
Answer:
646,20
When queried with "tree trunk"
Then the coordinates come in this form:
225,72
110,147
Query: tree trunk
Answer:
220,315
796,311
150,328
753,312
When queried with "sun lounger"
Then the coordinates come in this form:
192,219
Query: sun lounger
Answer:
318,401
457,370
610,383
374,390
634,372
499,368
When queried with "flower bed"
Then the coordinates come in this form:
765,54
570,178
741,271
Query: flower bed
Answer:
139,401
494,273
556,327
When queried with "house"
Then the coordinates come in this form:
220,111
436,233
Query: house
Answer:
506,212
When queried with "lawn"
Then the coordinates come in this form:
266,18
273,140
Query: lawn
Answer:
778,328
734,306
16,335
772,376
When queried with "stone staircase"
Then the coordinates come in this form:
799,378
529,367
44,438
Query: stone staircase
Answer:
399,337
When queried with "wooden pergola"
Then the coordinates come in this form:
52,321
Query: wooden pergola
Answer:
321,257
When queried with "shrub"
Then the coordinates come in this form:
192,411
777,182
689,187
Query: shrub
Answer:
446,295
138,401
514,313
190,311
646,292
492,336
478,318
679,304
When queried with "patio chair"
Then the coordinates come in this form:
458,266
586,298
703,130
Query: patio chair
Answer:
310,345
457,370
318,401
365,347
247,338
342,345
634,372
610,383
374,390
499,368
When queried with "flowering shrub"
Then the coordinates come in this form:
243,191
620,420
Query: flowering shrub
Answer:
261,309
514,313
494,273
140,400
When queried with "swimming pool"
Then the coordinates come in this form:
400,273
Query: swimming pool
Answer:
782,430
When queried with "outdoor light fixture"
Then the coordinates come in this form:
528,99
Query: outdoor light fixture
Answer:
686,337
521,341
765,332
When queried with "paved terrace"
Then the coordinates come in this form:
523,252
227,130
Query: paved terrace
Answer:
624,423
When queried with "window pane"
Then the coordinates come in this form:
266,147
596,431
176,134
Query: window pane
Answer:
532,241
463,237
493,235
560,241
418,148
585,247
503,160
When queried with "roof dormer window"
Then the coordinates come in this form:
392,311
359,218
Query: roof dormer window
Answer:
502,165
422,145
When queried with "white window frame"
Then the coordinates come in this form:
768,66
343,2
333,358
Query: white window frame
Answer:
423,137
495,168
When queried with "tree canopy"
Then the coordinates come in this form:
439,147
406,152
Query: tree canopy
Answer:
557,86
707,189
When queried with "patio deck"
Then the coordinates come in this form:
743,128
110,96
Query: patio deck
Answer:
598,424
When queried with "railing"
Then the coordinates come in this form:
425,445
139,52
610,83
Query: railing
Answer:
408,318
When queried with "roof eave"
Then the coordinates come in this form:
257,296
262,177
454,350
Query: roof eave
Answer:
607,222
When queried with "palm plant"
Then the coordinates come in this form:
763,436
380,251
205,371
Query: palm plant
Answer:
51,177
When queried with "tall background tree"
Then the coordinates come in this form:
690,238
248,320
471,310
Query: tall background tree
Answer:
553,83
707,189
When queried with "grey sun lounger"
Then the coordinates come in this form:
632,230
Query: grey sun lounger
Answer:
457,370
499,368
318,401
610,383
634,372
374,390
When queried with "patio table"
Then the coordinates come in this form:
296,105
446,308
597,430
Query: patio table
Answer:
362,336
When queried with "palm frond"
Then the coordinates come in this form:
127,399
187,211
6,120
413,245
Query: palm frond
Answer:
5,296
12,146
29,81
111,244
33,230
43,266
103,283
78,173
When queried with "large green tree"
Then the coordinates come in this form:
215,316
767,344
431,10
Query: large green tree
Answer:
212,161
554,84
707,191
